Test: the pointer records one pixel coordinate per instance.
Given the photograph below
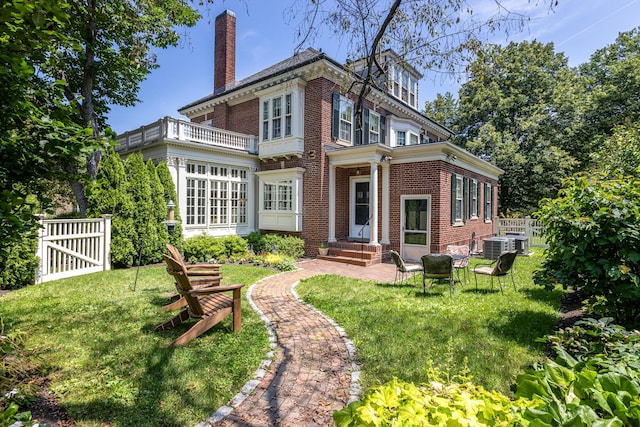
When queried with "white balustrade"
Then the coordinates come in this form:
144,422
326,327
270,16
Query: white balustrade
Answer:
180,130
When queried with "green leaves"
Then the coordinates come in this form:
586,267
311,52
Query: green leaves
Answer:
593,231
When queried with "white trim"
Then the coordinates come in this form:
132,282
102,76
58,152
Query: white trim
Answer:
409,251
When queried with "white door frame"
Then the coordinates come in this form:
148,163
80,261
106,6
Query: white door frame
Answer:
355,230
410,251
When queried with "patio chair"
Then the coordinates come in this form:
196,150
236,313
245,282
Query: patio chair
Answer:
200,274
460,256
208,304
499,268
436,267
402,269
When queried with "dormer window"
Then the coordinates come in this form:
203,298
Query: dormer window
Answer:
404,85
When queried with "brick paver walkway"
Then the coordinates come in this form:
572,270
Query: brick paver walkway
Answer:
311,372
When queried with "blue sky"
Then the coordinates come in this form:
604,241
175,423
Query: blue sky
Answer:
265,36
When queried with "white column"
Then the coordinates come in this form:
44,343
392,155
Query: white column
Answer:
373,204
332,203
386,168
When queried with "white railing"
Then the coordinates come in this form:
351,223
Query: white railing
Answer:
531,228
72,247
180,130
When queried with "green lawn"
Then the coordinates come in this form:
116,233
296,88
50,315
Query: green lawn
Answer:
94,336
398,329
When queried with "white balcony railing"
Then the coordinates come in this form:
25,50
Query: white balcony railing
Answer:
180,130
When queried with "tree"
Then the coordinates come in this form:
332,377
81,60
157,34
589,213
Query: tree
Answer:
442,35
516,112
444,110
37,138
613,80
116,38
620,154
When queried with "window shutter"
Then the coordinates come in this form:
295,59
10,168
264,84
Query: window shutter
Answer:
479,190
453,198
383,130
335,117
365,126
465,199
493,189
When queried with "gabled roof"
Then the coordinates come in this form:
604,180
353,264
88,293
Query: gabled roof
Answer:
299,59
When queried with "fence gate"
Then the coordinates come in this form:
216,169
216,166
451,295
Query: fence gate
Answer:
72,247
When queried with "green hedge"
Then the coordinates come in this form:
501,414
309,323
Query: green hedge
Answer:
18,268
206,248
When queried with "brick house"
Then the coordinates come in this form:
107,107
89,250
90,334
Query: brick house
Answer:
281,151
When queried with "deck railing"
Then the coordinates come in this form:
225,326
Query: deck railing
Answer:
180,130
531,228
72,247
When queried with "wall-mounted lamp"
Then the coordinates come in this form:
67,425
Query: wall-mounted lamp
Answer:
386,158
171,216
452,157
358,171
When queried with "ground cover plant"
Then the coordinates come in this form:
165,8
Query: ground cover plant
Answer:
94,338
398,331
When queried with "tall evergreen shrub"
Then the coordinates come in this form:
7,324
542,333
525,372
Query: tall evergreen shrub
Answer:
159,211
146,240
109,194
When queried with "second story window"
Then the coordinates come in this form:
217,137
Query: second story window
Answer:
277,117
401,138
374,128
346,120
276,128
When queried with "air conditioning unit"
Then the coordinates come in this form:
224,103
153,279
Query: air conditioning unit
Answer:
494,246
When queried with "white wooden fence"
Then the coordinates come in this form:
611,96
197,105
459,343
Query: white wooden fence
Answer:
531,228
72,247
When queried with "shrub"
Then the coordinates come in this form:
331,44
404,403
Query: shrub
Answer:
20,265
256,242
593,232
594,379
274,243
205,248
108,194
457,403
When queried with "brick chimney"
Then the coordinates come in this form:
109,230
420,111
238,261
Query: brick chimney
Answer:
224,55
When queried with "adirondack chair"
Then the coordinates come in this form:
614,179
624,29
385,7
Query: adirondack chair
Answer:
200,274
208,304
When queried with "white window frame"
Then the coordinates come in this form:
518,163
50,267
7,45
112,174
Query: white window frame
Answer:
277,117
488,202
474,209
211,198
401,137
459,202
280,199
374,128
345,126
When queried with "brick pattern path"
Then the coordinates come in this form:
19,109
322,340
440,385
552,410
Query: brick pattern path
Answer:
311,373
